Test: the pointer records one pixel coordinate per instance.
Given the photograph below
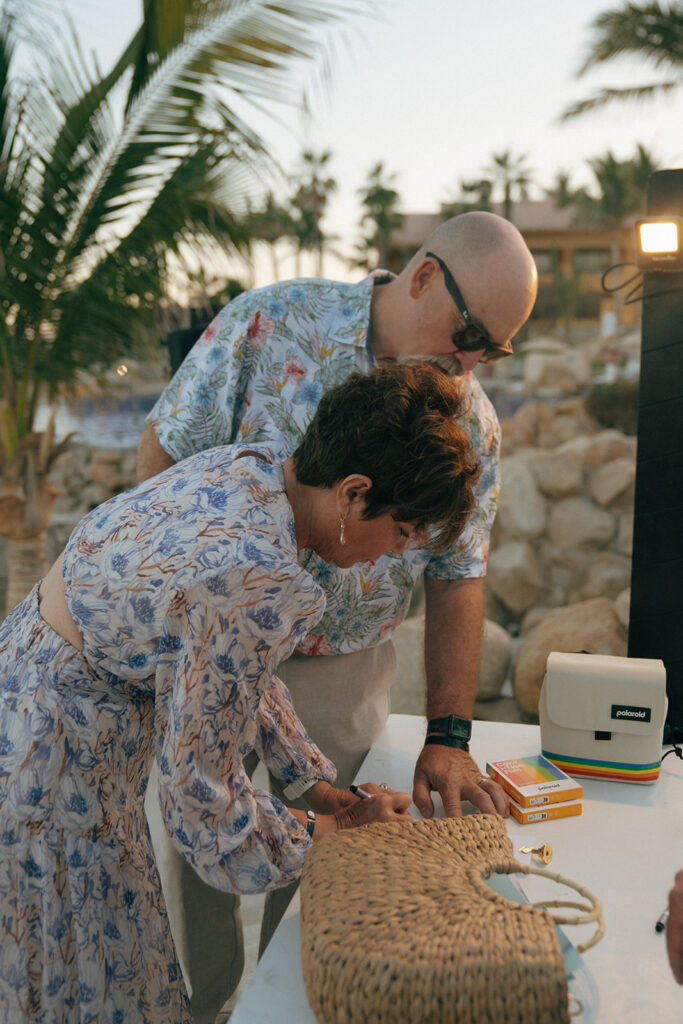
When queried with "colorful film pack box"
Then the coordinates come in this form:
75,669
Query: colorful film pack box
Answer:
534,781
530,815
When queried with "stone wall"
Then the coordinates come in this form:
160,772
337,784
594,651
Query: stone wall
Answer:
560,559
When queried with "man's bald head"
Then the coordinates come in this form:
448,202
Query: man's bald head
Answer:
492,265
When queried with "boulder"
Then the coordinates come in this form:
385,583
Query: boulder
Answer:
605,575
625,533
608,445
576,521
496,659
515,576
612,479
622,606
522,508
562,373
558,473
409,691
591,626
530,420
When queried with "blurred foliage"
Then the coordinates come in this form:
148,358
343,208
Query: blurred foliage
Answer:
108,180
652,31
614,405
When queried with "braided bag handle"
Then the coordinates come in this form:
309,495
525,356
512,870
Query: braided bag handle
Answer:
590,912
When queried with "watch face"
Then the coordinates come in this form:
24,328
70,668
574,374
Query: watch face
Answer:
459,727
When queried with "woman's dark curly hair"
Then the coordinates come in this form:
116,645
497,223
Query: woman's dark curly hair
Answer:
398,425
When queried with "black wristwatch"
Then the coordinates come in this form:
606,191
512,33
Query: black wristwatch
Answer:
449,732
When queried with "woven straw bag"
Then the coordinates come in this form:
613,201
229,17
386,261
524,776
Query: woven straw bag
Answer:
399,927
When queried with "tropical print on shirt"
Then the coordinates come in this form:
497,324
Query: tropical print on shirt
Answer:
257,374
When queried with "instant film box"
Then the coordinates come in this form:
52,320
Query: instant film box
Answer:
534,781
532,815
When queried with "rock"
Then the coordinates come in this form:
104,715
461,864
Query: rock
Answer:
524,428
625,533
609,445
515,576
409,691
606,575
622,606
558,473
612,479
576,521
496,658
591,626
556,373
522,509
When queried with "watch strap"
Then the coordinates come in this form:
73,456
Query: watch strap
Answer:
448,741
452,725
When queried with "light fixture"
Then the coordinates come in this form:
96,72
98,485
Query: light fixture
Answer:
659,243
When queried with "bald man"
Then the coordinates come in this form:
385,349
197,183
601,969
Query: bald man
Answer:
257,374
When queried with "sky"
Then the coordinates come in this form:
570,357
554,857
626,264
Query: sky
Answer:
433,88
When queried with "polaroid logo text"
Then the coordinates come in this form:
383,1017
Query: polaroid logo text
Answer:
630,713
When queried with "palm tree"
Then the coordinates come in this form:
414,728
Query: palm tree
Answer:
652,31
103,178
512,175
270,223
380,218
308,205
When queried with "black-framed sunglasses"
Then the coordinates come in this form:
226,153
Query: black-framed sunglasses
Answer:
473,336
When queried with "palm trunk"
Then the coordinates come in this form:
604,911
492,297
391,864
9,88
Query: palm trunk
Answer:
27,500
27,562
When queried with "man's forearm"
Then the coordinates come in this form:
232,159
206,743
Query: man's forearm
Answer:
151,458
453,630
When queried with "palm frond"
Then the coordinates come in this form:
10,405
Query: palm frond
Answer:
653,31
605,96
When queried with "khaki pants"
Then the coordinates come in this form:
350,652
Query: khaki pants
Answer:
343,701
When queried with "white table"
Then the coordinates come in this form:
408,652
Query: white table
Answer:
625,847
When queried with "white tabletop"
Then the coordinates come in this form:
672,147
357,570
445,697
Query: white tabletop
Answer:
625,847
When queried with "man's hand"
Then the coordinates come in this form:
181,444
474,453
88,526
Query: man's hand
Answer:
674,928
455,776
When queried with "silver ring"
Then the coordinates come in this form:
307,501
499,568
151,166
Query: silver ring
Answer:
383,785
482,780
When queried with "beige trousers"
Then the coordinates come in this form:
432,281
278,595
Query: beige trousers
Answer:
343,701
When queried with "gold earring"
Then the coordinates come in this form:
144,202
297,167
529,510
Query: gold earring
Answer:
342,527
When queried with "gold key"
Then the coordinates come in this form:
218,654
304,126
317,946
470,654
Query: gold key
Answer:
545,852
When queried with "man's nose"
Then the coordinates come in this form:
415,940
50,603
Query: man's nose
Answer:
468,360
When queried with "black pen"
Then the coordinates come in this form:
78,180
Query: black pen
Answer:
357,791
661,921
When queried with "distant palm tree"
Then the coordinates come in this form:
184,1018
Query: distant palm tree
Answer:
102,179
309,203
270,223
652,31
512,175
380,218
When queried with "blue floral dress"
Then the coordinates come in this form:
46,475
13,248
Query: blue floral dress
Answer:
187,593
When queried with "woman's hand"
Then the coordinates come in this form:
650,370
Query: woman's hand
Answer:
326,799
341,809
383,805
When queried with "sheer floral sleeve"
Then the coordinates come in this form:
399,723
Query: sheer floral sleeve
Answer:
217,698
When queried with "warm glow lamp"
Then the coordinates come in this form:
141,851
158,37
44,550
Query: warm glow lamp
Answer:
659,243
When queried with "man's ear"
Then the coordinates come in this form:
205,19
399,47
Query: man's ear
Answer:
422,278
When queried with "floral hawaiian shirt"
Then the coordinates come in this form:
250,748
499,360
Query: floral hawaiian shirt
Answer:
257,374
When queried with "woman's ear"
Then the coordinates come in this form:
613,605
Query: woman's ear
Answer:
352,488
